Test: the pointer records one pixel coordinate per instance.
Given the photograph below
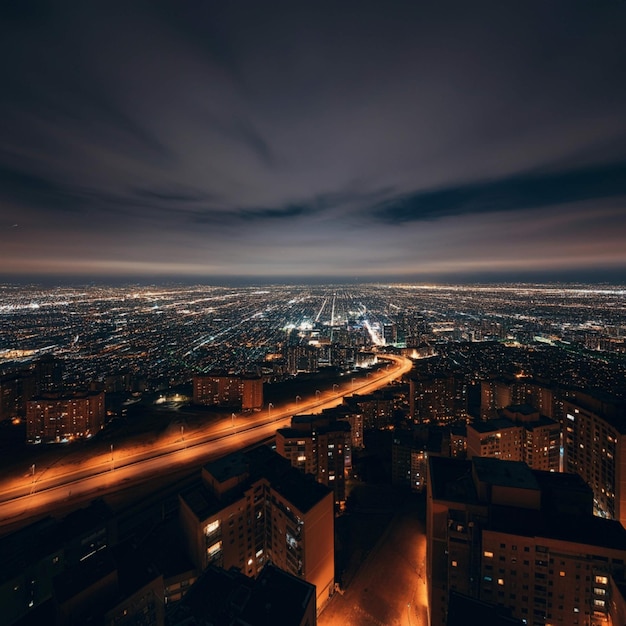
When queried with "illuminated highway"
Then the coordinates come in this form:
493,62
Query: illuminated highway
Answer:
120,468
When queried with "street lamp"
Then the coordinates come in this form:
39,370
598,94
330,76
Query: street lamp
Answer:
317,394
297,399
270,406
335,387
232,418
353,382
112,457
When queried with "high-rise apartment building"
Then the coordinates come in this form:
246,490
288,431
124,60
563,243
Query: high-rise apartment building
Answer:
302,358
318,445
594,433
62,417
522,539
251,508
437,398
498,393
228,390
520,434
48,374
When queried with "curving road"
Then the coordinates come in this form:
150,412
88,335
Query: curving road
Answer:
56,487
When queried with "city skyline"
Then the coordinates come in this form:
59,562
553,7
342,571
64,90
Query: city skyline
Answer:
348,141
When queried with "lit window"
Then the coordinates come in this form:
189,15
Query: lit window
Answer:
454,563
599,591
602,580
211,527
598,602
488,554
214,549
561,573
501,581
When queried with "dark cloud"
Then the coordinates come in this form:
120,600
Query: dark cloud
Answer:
28,189
273,214
528,191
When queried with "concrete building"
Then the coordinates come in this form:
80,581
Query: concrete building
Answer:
521,539
302,358
410,450
437,398
251,393
377,408
64,417
320,446
594,432
520,434
228,390
251,508
14,391
498,393
354,417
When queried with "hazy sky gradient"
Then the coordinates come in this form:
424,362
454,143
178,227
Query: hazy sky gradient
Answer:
369,139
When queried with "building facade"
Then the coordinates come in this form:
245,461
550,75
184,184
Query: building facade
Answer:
55,418
320,446
253,508
228,390
522,539
520,434
595,448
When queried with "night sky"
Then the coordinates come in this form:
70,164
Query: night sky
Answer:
414,140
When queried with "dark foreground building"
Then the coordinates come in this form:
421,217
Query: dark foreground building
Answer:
228,598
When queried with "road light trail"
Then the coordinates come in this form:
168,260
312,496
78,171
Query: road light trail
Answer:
98,477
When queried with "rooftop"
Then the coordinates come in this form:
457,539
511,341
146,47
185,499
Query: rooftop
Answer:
505,473
451,479
587,530
256,464
223,598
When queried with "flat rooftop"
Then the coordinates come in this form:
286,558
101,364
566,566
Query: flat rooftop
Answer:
505,473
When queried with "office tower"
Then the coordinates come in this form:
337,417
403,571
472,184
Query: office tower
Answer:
251,508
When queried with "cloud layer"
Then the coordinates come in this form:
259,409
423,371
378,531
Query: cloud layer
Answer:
336,139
